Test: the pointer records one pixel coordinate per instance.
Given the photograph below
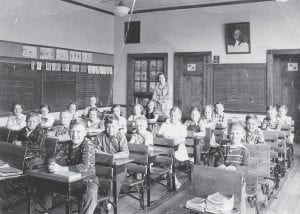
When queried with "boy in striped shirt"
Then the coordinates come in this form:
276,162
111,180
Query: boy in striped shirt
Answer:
237,157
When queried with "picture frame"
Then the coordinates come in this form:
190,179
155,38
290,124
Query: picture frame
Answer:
237,38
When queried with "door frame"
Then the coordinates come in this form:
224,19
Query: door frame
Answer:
207,77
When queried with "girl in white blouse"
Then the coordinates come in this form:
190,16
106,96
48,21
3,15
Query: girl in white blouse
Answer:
174,129
17,120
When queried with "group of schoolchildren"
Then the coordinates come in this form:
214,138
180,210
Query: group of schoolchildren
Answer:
81,136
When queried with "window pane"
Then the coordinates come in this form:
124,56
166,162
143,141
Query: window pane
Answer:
137,76
144,65
160,65
143,87
153,65
137,65
137,87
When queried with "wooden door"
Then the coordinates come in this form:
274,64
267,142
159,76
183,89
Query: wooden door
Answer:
192,81
290,90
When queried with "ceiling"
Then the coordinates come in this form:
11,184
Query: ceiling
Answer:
155,5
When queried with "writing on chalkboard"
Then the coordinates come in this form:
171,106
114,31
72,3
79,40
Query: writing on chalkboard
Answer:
18,83
240,87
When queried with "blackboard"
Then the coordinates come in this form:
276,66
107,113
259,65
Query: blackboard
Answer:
240,87
59,87
18,83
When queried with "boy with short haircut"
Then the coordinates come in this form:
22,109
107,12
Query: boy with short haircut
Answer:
61,131
142,136
112,141
32,137
238,156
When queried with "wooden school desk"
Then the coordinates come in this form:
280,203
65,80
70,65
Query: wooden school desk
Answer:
41,179
118,167
152,154
14,156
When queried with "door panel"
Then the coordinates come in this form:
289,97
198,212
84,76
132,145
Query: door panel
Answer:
290,90
192,93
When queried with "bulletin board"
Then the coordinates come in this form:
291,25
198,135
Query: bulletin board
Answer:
32,75
240,87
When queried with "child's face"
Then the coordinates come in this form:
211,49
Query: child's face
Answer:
112,128
236,135
44,111
93,101
282,112
93,115
272,114
208,113
77,134
117,111
174,116
195,116
72,108
151,105
251,125
32,123
17,110
65,119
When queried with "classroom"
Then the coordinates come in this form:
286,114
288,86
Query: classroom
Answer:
149,106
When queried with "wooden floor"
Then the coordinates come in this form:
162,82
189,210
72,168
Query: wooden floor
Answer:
287,202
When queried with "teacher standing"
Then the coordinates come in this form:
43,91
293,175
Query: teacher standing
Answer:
161,96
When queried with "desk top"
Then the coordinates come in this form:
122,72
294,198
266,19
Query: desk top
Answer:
154,152
61,177
2,178
122,161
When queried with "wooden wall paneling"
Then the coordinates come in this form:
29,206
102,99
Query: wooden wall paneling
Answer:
270,60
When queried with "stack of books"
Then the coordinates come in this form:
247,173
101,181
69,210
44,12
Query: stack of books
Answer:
215,203
219,204
197,204
6,170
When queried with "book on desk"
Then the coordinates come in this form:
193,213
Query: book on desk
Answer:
6,170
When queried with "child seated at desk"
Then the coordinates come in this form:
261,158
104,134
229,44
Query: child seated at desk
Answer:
17,120
32,137
142,136
61,131
254,135
94,124
46,119
113,142
207,119
116,111
195,128
219,116
93,101
137,113
238,156
271,122
72,109
152,116
174,129
151,112
282,117
78,155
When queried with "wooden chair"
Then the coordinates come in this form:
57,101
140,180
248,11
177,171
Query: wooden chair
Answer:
104,171
259,172
13,155
289,140
136,169
271,139
163,168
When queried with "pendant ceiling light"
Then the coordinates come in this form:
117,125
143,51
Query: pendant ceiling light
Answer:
121,10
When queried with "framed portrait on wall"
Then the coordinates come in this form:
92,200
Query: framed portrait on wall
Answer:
237,36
